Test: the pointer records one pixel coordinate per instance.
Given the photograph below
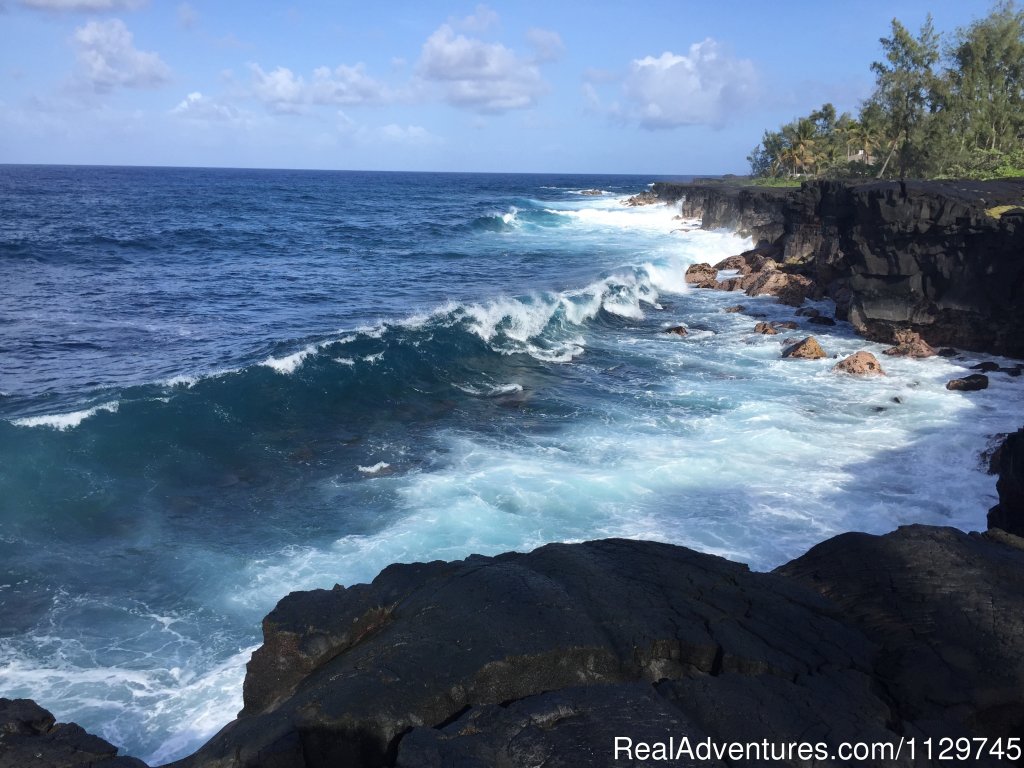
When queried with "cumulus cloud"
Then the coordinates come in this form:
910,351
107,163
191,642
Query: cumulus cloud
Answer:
702,87
81,5
195,106
284,91
487,77
109,58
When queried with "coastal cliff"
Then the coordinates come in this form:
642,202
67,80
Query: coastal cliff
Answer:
942,258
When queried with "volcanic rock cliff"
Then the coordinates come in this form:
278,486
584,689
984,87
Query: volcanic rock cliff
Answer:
943,258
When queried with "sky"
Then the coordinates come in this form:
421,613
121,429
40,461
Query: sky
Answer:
604,86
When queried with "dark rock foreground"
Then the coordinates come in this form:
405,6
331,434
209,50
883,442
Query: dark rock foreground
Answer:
942,258
545,658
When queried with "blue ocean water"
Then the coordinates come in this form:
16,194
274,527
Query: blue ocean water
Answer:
217,386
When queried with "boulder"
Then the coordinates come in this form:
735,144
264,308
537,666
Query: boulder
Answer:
807,349
765,328
808,312
734,308
821,320
909,344
749,262
1008,514
790,289
789,325
971,383
860,364
701,275
678,330
985,367
30,737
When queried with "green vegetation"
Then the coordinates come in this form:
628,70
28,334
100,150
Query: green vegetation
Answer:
950,107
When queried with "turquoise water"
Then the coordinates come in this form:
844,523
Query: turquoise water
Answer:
220,386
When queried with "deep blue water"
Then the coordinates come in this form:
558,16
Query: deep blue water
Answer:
222,385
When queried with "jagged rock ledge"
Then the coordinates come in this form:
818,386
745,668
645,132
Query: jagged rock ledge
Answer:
942,258
546,658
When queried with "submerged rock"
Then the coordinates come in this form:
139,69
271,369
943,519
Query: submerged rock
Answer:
678,330
860,364
734,308
971,383
807,349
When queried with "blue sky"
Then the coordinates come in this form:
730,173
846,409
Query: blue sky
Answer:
600,87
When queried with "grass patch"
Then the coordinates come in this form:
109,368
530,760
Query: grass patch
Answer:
768,182
998,211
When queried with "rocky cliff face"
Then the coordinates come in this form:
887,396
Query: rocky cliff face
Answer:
945,259
547,657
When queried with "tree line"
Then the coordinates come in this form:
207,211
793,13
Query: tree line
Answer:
942,107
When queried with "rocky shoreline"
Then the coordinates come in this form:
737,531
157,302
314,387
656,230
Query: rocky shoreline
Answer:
940,258
546,658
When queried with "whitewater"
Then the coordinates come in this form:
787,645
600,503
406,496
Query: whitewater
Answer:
217,387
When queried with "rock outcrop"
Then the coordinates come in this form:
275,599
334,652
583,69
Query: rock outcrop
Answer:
937,257
701,275
909,344
1008,514
30,737
944,608
545,657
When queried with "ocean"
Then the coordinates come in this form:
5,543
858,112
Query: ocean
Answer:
219,386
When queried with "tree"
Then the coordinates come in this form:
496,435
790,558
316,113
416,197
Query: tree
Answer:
905,91
986,81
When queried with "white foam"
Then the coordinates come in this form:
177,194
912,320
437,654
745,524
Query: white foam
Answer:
65,421
289,363
378,467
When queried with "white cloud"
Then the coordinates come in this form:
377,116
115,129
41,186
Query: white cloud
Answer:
548,45
701,88
487,77
109,58
80,5
482,19
409,134
284,91
280,89
195,106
